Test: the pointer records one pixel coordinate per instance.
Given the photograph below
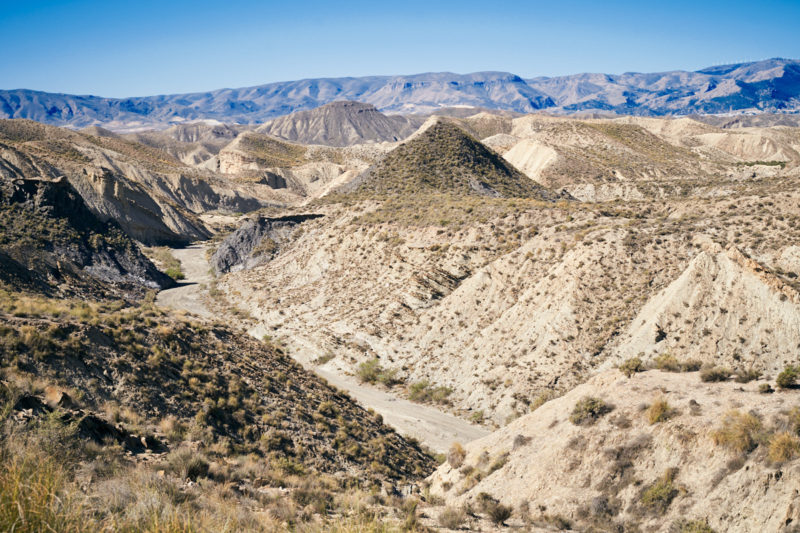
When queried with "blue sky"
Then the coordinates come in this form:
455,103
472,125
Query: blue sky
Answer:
120,48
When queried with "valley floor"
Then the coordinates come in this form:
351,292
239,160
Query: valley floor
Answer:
432,427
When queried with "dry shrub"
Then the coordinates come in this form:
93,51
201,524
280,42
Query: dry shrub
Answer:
715,374
783,447
456,455
452,518
659,411
738,432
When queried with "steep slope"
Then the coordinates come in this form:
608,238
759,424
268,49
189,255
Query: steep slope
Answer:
725,309
445,159
255,242
341,124
628,469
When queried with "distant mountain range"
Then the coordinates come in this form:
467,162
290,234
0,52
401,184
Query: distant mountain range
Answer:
771,85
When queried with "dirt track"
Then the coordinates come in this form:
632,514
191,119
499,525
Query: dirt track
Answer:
434,428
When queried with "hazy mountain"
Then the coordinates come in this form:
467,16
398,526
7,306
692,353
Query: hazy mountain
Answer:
771,85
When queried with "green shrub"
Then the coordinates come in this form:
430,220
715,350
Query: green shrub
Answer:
499,513
372,372
588,410
175,273
691,365
423,391
631,366
765,388
788,377
657,497
715,374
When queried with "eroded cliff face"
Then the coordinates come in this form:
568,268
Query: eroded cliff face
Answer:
153,197
256,242
52,242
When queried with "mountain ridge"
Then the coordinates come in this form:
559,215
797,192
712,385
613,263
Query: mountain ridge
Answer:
762,86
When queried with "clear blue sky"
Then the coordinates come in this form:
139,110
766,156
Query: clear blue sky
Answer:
122,48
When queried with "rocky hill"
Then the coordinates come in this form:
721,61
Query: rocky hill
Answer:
154,197
769,85
196,144
301,170
445,159
658,451
341,124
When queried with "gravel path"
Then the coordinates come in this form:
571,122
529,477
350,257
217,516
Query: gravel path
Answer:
432,427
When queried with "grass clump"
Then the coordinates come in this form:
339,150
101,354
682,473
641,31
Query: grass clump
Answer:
715,374
631,366
372,372
32,497
452,518
659,411
588,410
783,447
738,432
787,379
164,259
657,497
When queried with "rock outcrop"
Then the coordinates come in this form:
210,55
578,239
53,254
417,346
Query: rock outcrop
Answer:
255,242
